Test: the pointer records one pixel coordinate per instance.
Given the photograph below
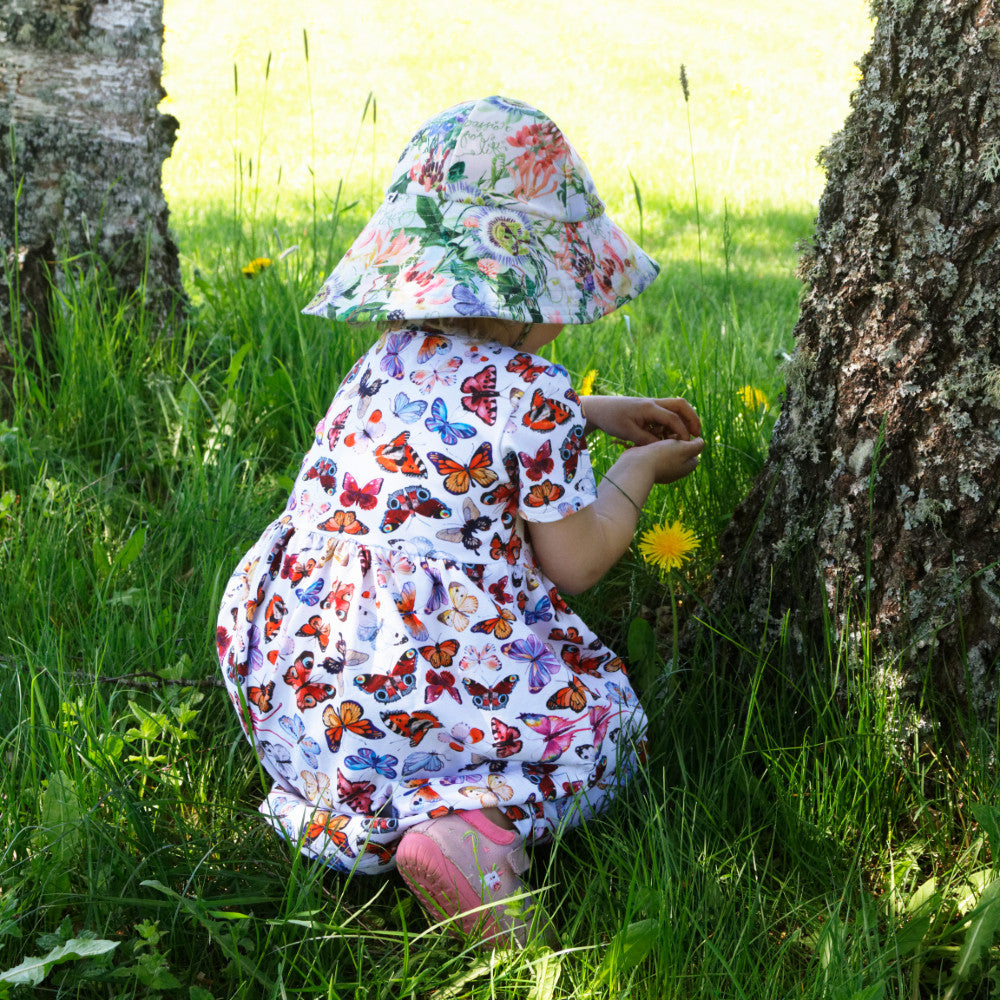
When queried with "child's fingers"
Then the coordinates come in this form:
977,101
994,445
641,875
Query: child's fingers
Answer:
662,422
683,411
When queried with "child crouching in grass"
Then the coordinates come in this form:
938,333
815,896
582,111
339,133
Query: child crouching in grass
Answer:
395,641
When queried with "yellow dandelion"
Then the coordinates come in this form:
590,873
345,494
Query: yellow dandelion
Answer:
256,266
667,545
587,385
753,398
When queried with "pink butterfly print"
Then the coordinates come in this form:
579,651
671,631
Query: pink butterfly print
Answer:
364,496
481,394
334,430
355,794
557,732
439,684
427,378
539,465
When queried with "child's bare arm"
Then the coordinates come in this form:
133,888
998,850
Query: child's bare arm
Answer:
575,552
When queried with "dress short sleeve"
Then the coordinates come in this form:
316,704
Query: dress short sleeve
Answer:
545,436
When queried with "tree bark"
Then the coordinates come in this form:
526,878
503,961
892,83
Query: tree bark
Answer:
878,504
82,143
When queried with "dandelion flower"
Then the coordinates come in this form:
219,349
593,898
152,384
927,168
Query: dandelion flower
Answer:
587,386
667,545
256,266
753,398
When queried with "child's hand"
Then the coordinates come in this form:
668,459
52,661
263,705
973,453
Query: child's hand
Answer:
668,460
642,421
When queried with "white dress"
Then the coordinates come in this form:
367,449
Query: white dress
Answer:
390,643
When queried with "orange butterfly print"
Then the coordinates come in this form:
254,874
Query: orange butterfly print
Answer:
573,697
344,522
413,725
318,628
433,344
350,719
579,663
404,605
254,602
398,456
499,626
339,599
261,696
457,477
275,612
322,823
542,494
294,570
543,414
384,854
509,550
441,654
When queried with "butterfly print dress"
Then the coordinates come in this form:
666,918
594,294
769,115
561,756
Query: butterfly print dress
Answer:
391,645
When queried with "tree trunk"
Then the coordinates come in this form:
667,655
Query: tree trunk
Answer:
82,143
878,504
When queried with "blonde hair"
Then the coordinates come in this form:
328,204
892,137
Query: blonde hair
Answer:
502,331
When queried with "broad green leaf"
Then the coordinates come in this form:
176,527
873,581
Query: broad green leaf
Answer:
983,922
873,992
33,970
641,642
130,550
910,936
628,948
547,969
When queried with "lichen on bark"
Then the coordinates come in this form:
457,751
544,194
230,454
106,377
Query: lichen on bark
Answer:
82,141
877,505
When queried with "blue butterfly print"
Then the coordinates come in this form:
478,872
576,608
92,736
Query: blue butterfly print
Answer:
366,757
408,410
619,694
427,761
296,728
367,633
438,422
542,611
310,595
391,363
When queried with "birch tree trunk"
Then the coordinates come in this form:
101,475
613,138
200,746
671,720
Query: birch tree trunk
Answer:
81,141
878,503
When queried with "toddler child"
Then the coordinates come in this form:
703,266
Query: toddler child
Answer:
395,643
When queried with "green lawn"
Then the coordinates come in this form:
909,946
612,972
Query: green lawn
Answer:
789,840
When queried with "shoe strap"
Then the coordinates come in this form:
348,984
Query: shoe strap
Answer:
488,829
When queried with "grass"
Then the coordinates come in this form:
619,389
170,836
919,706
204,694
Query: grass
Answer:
793,836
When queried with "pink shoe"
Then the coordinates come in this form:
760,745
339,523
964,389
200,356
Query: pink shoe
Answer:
457,863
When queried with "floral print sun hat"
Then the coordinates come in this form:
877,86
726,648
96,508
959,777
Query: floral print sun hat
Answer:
490,212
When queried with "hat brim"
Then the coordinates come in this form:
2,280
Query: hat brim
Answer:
423,257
